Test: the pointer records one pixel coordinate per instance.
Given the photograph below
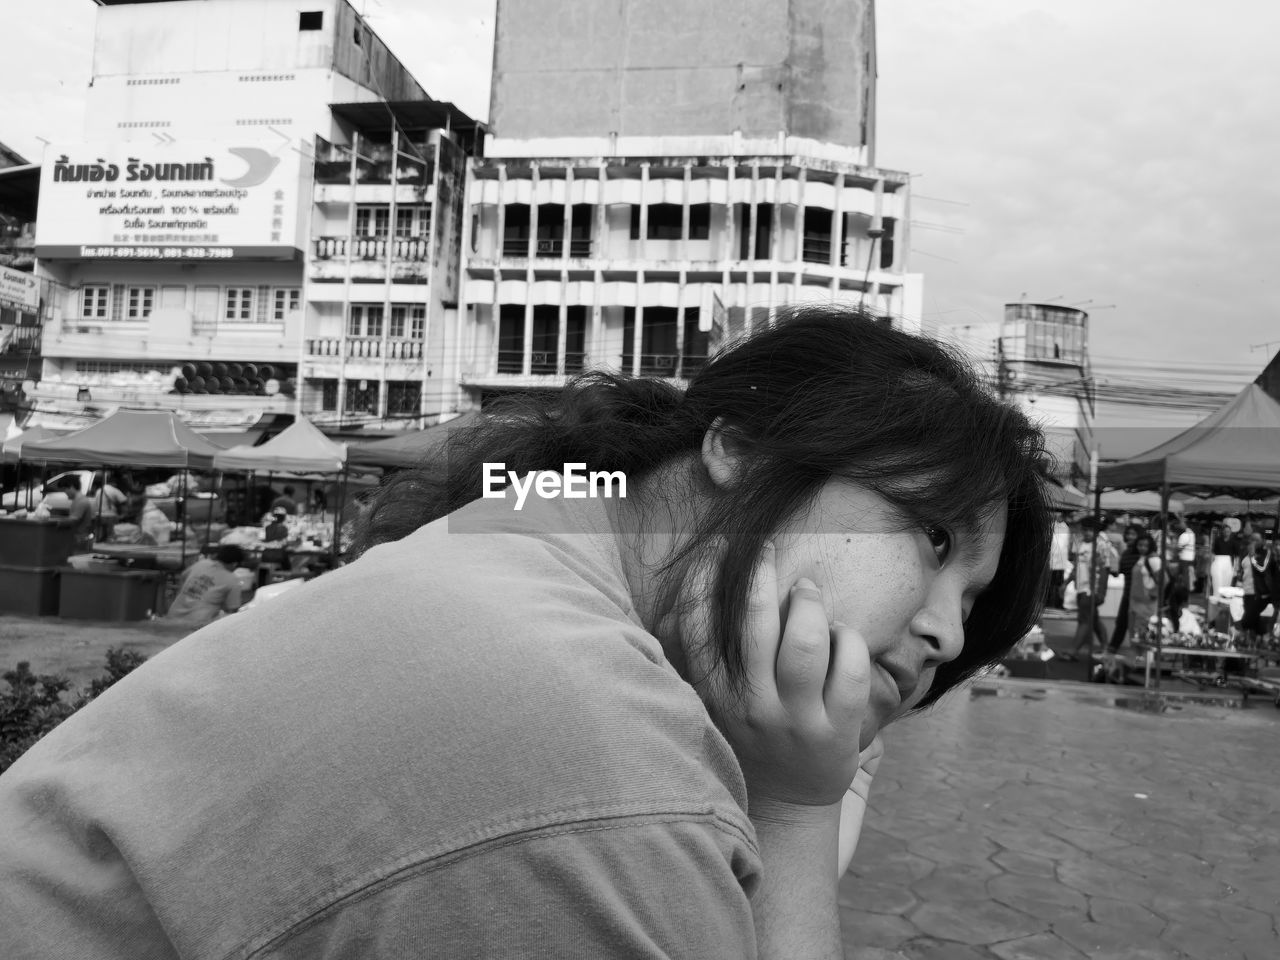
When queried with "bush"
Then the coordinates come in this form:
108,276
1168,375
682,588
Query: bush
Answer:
33,704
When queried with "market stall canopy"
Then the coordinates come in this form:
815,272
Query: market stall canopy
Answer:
1141,501
11,452
1232,505
411,449
300,448
1237,447
131,438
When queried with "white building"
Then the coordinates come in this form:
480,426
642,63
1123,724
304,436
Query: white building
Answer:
637,254
235,233
714,174
1037,355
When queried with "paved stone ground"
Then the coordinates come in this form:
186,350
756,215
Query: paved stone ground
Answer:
1040,822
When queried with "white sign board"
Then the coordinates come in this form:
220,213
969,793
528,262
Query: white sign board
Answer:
19,290
185,200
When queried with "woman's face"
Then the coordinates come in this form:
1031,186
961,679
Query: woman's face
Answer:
1144,546
1130,537
906,588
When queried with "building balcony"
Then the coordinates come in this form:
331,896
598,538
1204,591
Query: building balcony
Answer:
365,348
167,333
580,248
20,341
370,258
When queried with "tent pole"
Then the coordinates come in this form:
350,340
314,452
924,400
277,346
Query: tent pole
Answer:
182,518
208,517
1095,616
102,489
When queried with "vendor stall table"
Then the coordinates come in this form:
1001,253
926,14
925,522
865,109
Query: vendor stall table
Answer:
1201,678
167,557
34,543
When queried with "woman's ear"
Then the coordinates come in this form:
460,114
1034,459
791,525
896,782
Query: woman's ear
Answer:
723,455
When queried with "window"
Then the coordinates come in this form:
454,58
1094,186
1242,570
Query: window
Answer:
403,398
666,221
311,20
699,221
413,221
94,300
286,299
418,321
399,312
365,321
362,396
139,301
239,304
328,394
373,221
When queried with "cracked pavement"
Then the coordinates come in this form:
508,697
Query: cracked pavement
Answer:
1029,820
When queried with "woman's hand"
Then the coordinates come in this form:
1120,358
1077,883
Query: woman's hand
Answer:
796,729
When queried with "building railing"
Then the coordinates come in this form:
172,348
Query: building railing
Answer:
21,341
365,348
554,247
372,248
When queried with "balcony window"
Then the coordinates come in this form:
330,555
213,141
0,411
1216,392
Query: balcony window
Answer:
817,235
757,218
699,221
365,320
511,338
286,299
886,244
418,321
139,302
373,221
95,300
414,221
659,356
515,230
239,304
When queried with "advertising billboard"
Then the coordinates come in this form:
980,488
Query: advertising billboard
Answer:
19,291
179,200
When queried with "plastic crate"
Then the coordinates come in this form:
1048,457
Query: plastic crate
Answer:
109,594
32,591
34,543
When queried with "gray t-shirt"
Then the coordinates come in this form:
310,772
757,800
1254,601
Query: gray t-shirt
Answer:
462,745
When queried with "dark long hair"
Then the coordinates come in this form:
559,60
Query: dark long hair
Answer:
825,392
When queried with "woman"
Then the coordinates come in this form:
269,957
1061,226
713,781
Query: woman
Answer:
1259,577
530,725
1128,558
1144,589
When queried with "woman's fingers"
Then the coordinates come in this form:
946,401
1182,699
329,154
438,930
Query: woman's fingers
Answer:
762,628
805,651
848,684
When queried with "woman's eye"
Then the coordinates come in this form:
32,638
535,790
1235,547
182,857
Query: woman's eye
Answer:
940,540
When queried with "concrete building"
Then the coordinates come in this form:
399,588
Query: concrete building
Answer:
236,233
1037,355
721,168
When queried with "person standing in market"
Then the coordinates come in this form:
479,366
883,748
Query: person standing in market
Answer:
1127,559
1259,577
1059,561
1096,559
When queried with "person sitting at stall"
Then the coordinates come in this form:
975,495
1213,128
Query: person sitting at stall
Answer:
286,501
210,588
109,501
81,516
276,529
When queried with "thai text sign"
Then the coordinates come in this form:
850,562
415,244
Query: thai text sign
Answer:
19,290
186,200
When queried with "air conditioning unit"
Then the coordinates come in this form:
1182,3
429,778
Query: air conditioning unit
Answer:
547,246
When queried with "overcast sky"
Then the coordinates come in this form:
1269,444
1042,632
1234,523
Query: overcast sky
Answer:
1119,152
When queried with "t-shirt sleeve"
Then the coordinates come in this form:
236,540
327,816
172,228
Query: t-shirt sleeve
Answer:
232,601
635,887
